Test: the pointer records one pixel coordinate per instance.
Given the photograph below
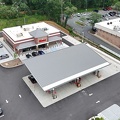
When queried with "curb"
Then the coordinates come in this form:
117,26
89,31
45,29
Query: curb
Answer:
9,65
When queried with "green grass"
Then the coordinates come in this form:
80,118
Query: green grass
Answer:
88,10
5,23
80,23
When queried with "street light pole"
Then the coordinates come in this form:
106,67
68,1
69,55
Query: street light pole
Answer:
82,37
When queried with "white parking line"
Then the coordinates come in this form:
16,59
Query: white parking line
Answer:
1,116
20,96
7,101
90,94
98,101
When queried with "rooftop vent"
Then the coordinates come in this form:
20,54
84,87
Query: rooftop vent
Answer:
26,29
44,29
107,23
110,22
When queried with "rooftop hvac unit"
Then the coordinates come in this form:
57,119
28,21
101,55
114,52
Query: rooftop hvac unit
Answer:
19,34
44,29
116,28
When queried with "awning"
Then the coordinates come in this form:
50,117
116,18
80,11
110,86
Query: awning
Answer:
26,45
54,38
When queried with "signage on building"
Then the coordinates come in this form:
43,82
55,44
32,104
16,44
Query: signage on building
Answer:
42,40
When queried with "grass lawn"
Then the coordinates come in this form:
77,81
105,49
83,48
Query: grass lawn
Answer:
80,23
5,23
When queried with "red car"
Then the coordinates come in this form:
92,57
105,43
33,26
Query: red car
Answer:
109,8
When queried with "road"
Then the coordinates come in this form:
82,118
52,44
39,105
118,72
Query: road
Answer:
19,103
85,32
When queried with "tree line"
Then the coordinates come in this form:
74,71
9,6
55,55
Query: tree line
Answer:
53,9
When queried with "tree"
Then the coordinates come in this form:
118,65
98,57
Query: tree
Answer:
95,17
69,11
117,6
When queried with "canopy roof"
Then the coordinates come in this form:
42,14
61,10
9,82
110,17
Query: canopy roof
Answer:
62,66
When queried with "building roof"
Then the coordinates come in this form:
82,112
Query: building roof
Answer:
111,113
38,33
62,66
110,26
19,33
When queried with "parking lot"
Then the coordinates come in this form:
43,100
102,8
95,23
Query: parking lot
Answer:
105,16
4,54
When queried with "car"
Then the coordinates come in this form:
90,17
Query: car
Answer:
94,29
104,9
28,55
96,11
112,13
41,52
32,79
118,15
4,56
78,14
35,53
1,45
109,8
1,112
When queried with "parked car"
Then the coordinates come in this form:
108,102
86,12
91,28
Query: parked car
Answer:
94,29
109,8
96,11
118,14
112,13
78,14
1,112
41,52
4,56
104,9
28,55
32,79
35,53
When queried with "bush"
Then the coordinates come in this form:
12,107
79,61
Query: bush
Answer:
7,12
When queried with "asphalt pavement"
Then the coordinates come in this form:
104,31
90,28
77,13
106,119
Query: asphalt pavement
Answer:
19,103
84,31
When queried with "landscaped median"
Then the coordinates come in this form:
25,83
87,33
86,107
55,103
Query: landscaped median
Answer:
12,63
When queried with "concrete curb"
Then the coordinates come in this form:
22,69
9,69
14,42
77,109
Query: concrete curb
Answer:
9,65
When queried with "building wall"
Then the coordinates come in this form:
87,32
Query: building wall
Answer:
40,40
115,40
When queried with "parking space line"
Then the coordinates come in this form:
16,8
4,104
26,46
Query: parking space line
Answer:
1,116
98,101
7,101
20,96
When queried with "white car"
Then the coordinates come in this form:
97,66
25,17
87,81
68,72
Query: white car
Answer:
78,14
118,15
